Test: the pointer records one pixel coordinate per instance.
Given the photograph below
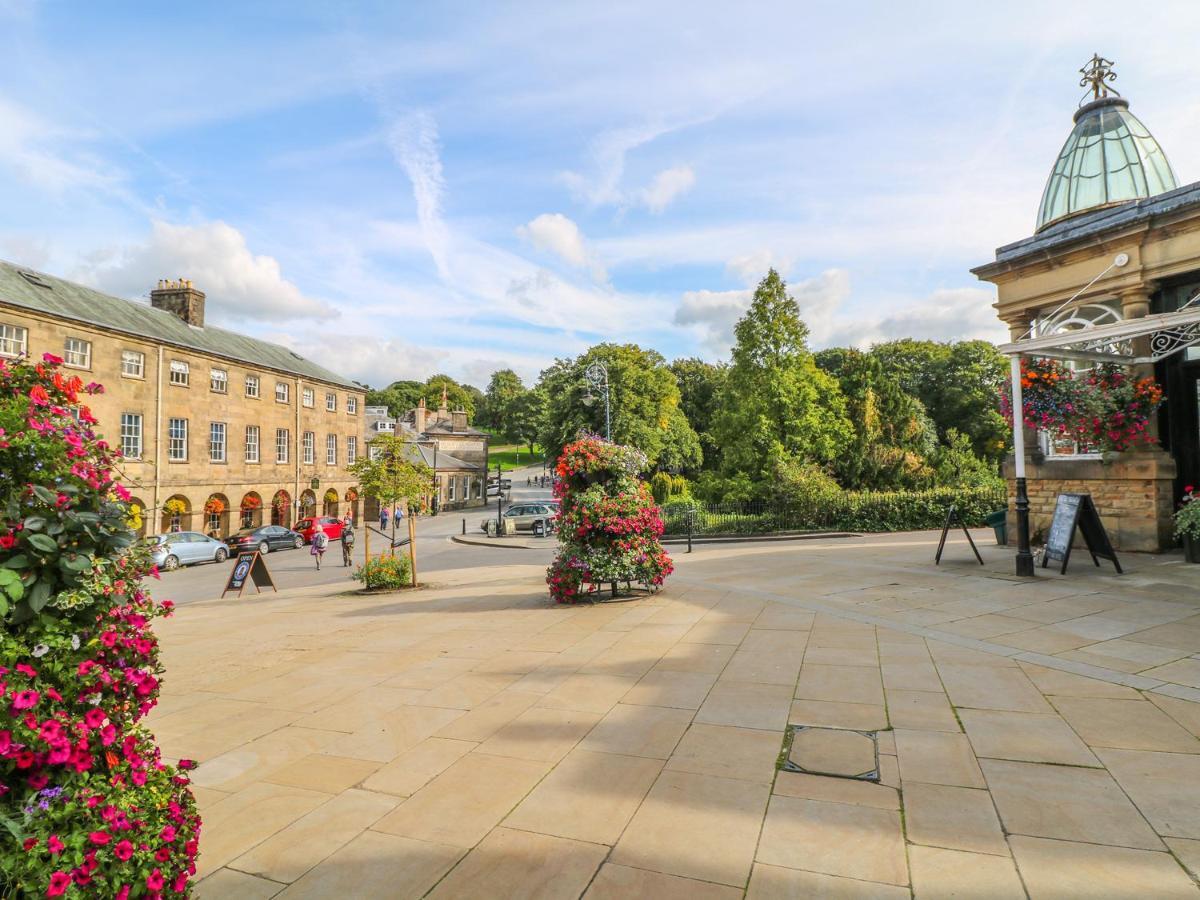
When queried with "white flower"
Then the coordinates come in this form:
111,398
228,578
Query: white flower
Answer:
40,650
94,699
74,642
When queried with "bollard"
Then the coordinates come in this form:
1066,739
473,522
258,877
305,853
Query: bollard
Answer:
464,526
689,518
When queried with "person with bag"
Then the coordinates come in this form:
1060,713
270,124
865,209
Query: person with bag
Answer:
320,543
347,541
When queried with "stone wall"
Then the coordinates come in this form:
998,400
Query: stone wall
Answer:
1133,493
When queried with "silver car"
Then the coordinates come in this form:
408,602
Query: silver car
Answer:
185,548
525,514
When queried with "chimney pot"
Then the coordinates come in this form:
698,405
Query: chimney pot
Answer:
181,299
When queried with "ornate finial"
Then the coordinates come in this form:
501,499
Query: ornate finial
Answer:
445,398
1096,74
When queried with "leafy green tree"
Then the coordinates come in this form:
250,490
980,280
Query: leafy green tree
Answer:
644,399
399,396
700,385
458,396
957,383
504,387
775,403
391,473
525,415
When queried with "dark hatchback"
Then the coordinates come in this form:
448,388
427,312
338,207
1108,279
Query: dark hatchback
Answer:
264,539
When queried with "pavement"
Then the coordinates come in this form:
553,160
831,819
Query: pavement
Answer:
1035,738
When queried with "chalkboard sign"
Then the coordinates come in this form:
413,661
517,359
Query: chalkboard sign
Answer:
1071,511
250,566
953,518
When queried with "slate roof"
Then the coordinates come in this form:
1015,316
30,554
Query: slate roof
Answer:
420,453
67,300
1088,226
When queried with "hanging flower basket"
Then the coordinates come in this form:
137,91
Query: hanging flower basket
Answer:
281,502
215,506
251,502
175,507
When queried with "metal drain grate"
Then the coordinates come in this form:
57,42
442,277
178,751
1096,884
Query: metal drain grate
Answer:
835,752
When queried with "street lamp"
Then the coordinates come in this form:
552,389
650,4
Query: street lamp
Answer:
596,376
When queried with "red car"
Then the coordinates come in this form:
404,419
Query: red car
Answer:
307,527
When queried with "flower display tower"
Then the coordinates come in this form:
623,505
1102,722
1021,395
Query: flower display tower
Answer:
609,526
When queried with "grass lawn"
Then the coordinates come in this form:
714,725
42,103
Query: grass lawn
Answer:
512,456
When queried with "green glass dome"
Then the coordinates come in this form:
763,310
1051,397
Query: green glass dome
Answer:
1110,158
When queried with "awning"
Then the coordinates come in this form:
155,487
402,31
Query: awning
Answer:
1168,332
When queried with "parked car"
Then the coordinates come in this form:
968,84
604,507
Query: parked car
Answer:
185,548
525,514
265,539
306,528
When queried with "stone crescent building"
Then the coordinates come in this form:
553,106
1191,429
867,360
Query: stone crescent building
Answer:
218,430
1116,240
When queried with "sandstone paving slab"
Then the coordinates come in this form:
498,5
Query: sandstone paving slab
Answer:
291,852
250,816
936,757
955,818
614,882
782,617
1183,671
911,676
377,865
1185,712
221,736
989,687
834,751
1164,786
391,733
921,711
743,753
1187,852
985,626
228,884
589,692
842,656
1181,635
1055,682
249,762
779,883
466,691
1000,734
938,873
841,839
836,790
587,797
1125,724
541,734
708,658
1066,803
708,631
746,705
651,731
489,717
417,766
840,684
1044,639
521,865
696,826
628,662
858,716
1053,870
683,690
466,801
322,772
946,654
1140,655
350,714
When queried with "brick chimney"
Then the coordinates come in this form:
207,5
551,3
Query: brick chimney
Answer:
180,298
458,420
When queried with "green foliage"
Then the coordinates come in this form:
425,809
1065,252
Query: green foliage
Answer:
1187,518
505,387
956,465
385,573
660,487
797,481
401,396
525,415
700,386
957,383
390,472
644,401
775,402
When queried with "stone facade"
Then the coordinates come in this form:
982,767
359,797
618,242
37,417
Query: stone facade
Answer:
1133,493
145,390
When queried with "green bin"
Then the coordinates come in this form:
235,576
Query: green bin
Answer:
999,523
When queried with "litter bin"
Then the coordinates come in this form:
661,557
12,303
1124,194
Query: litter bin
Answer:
999,524
539,527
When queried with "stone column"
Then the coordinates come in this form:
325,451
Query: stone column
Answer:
1135,304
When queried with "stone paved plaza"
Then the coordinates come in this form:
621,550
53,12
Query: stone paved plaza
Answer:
1036,738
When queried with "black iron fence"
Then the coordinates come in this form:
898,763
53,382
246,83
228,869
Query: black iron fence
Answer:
848,511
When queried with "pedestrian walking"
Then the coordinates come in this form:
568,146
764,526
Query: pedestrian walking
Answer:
347,541
320,543
383,519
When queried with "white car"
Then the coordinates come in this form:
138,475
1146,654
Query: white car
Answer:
185,548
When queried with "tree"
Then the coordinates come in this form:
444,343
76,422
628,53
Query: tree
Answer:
700,386
503,388
391,473
775,403
957,383
644,399
399,396
525,415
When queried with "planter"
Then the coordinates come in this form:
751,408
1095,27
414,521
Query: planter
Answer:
1191,549
998,521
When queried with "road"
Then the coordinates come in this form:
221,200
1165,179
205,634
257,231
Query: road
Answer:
435,552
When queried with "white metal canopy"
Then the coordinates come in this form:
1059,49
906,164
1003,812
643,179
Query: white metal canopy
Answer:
1169,333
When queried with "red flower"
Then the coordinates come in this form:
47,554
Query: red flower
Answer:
29,844
59,882
154,881
99,838
123,850
54,845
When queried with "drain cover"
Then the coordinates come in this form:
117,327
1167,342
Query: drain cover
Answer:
833,751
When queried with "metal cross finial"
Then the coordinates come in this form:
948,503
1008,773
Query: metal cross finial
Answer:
1095,74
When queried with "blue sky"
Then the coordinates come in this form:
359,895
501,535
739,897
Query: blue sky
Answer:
395,189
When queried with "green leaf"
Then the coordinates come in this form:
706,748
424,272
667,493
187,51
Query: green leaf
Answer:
77,563
55,528
39,596
20,561
44,494
43,543
35,523
10,585
89,517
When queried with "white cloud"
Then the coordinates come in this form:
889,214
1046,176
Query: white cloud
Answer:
413,141
214,255
666,186
38,153
713,314
945,315
555,233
